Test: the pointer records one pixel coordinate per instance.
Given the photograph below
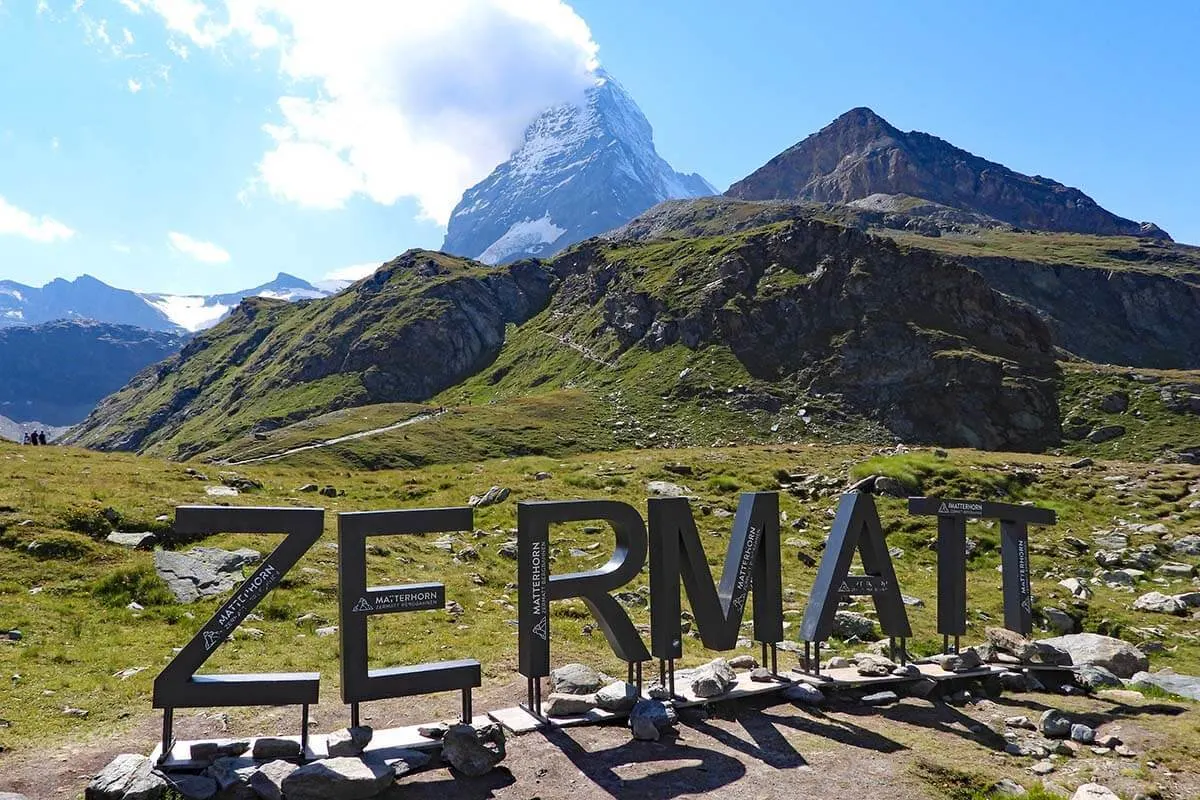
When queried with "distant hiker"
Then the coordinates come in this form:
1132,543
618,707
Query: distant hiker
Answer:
26,439
41,437
33,438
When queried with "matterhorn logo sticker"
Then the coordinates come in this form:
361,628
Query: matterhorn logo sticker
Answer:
363,606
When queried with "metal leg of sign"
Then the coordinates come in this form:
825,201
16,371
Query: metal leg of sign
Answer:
629,672
466,706
807,655
816,662
764,661
671,676
945,643
639,677
303,731
354,715
956,646
892,648
168,735
903,651
774,660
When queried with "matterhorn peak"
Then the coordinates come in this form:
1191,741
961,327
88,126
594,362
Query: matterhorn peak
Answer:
582,169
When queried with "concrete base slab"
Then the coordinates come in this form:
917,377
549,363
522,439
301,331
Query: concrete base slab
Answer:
848,677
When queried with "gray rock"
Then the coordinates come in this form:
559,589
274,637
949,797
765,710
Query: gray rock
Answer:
349,742
1082,733
403,762
558,704
1007,788
1183,685
965,661
191,787
649,718
851,625
890,487
1159,603
1095,677
870,666
338,779
761,675
12,796
1187,545
1173,569
472,751
1006,641
1014,682
837,662
1189,599
880,699
1119,657
267,780
713,679
1055,724
138,541
269,748
491,497
743,662
1050,655
804,694
618,697
210,751
1077,588
435,731
230,773
1059,621
127,777
1106,433
667,489
509,549
202,571
1094,791
1019,722
576,679
1042,768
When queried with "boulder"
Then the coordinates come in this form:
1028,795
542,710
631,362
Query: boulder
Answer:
491,497
1095,677
649,718
191,787
873,666
349,742
965,661
211,751
1082,733
202,571
1187,545
338,779
1094,791
127,777
1159,603
568,705
1006,641
1183,685
804,694
851,625
1059,621
880,699
472,751
575,679
1077,588
1119,657
230,773
1054,724
267,780
268,748
713,679
618,697
137,541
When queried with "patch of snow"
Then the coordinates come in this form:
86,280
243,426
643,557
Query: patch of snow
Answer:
292,294
525,235
192,313
13,293
14,314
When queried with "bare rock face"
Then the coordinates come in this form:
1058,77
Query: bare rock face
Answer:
860,154
127,777
1119,657
338,779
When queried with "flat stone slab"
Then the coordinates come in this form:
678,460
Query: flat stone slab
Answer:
849,677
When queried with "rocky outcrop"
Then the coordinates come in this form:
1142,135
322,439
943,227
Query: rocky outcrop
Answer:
860,154
1119,657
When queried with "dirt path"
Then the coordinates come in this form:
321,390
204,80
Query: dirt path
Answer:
347,438
761,749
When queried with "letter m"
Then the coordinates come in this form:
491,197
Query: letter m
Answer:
751,563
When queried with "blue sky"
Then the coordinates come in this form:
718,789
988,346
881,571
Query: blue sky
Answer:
177,146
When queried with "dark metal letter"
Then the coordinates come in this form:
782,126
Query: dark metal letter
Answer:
751,562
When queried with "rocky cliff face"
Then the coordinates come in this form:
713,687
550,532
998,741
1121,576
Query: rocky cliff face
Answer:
860,154
421,323
582,170
55,373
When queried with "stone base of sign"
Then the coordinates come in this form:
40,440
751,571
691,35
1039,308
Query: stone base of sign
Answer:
384,743
517,720
848,676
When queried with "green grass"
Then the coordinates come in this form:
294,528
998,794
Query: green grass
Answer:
78,632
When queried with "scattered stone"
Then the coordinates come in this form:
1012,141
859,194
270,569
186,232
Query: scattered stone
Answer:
965,661
804,694
649,718
880,699
1042,768
472,751
308,487
1183,685
338,779
127,776
1174,569
1007,788
1059,621
1014,682
239,482
1106,433
509,549
575,679
871,666
852,625
77,713
405,761
1095,677
618,697
1159,603
267,780
1082,733
667,489
491,497
326,630
231,772
435,731
192,787
542,476
329,491
211,751
1115,655
349,742
269,748
1081,463
838,662
1125,751
743,662
1055,724
137,541
713,679
1187,545
1077,588
906,671
1094,791
568,705
221,491
761,675
1019,722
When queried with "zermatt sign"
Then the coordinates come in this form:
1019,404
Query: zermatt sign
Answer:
667,538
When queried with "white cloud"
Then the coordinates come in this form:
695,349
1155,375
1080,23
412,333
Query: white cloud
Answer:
127,35
54,143
353,272
42,7
123,249
180,50
18,222
132,6
134,86
398,99
206,252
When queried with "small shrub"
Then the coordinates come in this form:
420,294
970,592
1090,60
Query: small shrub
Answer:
723,483
88,519
133,584
62,546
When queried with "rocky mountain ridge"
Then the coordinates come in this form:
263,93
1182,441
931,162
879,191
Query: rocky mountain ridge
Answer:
860,155
581,170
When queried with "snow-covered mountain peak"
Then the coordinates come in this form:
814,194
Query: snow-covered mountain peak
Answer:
582,168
